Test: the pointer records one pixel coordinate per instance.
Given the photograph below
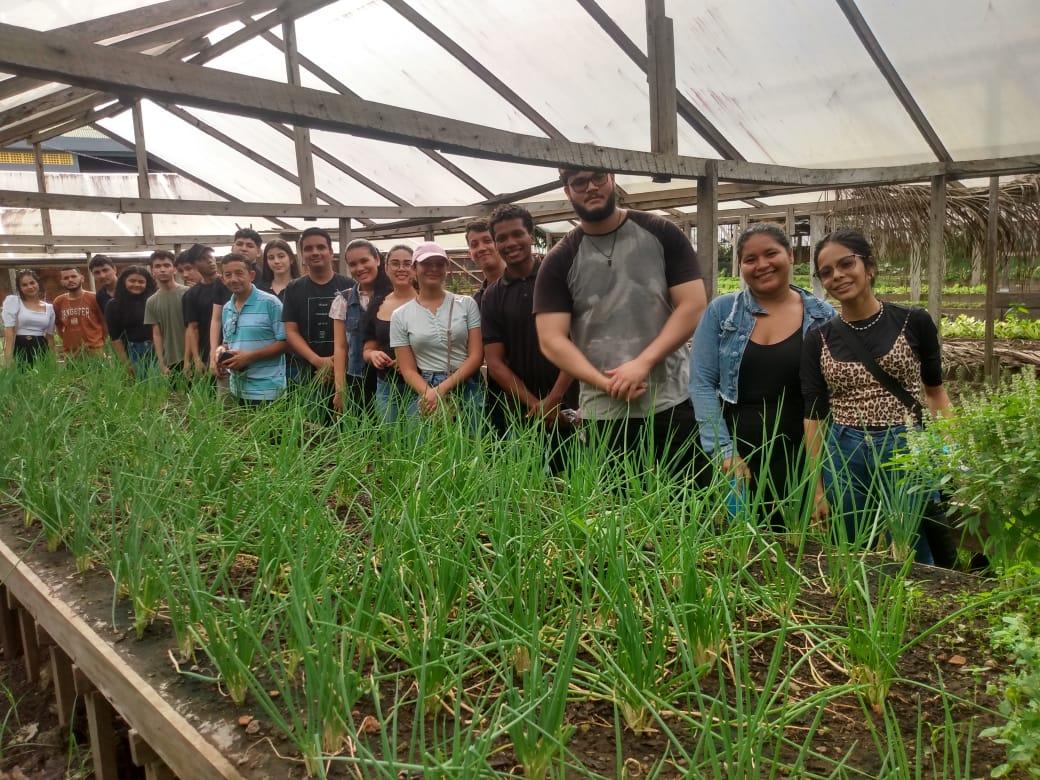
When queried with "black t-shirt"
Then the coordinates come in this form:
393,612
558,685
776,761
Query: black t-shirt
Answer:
125,319
879,339
197,306
103,297
307,304
506,318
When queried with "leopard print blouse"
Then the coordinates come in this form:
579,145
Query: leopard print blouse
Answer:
858,399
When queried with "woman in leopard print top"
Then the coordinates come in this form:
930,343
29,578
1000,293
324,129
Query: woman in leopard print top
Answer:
867,423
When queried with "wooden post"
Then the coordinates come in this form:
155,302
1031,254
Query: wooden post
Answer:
660,72
41,185
734,264
30,645
144,189
991,277
345,233
428,234
301,135
708,226
9,630
936,248
817,230
142,754
791,228
102,736
89,278
64,684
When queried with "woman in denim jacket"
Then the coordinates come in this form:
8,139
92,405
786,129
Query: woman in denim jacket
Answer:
744,369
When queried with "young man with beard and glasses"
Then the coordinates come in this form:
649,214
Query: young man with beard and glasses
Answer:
252,322
616,302
532,387
105,276
164,313
306,304
78,318
483,253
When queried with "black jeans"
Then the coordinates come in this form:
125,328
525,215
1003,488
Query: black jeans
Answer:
29,349
674,442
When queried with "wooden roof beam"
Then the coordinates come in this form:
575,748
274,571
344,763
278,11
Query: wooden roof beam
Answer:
320,73
884,64
224,208
186,174
475,67
53,56
690,113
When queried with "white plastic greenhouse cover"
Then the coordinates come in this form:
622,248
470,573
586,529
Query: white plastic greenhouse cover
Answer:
784,81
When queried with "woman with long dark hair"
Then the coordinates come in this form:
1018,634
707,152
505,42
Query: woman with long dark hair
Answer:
353,376
391,389
131,338
28,320
744,370
865,371
279,267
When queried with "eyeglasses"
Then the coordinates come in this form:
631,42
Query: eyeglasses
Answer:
398,263
582,183
844,264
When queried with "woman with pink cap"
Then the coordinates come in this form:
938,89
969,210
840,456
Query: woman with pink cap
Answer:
437,342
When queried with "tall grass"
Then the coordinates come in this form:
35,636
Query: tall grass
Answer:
422,601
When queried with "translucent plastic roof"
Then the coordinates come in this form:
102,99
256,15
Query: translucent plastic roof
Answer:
783,81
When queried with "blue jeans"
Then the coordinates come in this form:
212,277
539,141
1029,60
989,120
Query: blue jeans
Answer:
142,358
391,397
468,398
874,498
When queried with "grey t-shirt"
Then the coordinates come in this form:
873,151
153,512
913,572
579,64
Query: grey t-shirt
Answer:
163,308
415,326
616,289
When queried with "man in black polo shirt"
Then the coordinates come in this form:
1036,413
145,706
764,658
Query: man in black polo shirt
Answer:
531,385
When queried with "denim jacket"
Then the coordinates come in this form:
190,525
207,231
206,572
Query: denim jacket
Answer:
718,349
352,324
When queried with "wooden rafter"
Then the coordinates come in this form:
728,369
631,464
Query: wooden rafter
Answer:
186,174
475,67
316,70
689,112
52,56
895,81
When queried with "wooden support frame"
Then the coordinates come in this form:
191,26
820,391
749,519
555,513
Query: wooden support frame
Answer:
891,75
936,248
301,135
734,263
708,228
98,666
64,684
50,56
345,237
817,230
144,189
660,73
992,249
41,185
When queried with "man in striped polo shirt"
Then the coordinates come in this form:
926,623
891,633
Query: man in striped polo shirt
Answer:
254,336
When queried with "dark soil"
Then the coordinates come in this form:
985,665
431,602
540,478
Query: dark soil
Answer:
955,658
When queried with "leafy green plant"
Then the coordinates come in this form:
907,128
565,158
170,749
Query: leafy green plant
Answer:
1020,734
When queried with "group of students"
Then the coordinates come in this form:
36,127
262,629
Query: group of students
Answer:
611,330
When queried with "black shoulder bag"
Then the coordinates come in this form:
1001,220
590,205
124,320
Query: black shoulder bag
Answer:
885,379
935,523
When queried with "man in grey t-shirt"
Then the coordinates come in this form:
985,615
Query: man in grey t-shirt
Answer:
616,302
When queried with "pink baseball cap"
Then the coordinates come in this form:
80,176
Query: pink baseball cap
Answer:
427,250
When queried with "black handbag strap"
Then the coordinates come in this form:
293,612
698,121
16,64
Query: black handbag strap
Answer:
885,379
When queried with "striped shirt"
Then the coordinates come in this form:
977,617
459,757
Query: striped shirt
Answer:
256,325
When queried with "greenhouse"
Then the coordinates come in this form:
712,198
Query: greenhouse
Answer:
197,581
